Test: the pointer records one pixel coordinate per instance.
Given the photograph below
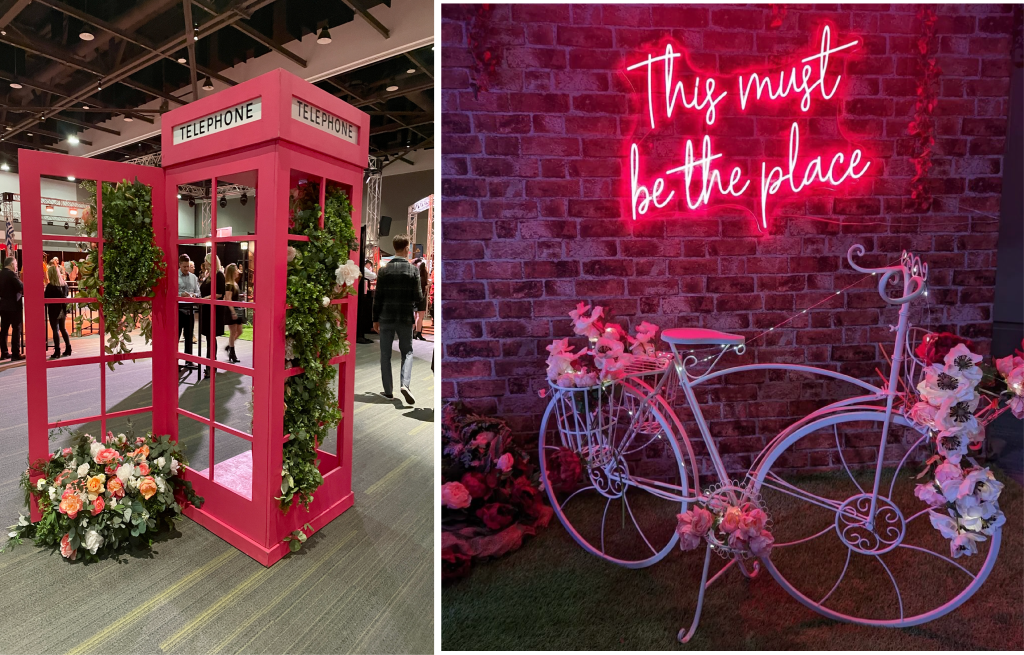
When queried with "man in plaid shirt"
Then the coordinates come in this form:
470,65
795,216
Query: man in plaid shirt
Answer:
394,313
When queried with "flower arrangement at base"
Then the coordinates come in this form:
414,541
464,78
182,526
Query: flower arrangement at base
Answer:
732,522
489,493
959,396
101,498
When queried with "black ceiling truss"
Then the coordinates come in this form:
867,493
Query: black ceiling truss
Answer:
148,50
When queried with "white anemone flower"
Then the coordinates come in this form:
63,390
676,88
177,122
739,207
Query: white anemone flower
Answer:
347,274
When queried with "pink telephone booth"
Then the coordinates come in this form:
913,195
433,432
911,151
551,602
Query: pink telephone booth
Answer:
232,165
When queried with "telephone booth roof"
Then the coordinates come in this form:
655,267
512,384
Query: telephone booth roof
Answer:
275,105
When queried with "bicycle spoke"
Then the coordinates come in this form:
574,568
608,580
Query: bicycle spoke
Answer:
940,556
841,576
637,525
895,586
573,494
896,474
843,460
800,494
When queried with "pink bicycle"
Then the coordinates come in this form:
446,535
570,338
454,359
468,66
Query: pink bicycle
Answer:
836,487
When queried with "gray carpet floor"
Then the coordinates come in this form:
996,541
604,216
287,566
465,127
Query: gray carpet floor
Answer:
363,584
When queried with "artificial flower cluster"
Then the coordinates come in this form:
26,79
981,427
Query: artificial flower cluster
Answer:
101,497
740,528
959,395
611,350
490,499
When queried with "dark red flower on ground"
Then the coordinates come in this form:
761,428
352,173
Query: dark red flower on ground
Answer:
564,470
454,565
496,516
476,485
934,346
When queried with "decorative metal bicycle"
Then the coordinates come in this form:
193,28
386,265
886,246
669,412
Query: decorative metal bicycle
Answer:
838,483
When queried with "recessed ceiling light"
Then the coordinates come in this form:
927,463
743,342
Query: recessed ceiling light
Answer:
85,106
73,140
15,85
71,178
86,35
391,88
324,37
182,60
128,119
411,71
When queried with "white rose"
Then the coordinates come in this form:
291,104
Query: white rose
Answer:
95,448
53,493
40,484
113,502
325,301
160,461
174,465
160,485
83,470
125,471
93,541
347,274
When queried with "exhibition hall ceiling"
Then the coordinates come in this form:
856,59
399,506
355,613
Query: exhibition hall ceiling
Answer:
99,70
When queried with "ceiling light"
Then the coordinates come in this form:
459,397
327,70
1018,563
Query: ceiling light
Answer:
73,140
244,199
86,35
71,178
209,243
223,202
411,71
245,245
324,37
73,211
179,196
182,60
391,88
28,134
4,167
85,106
207,84
15,85
99,85
49,210
128,119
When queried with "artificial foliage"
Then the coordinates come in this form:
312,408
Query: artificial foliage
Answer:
100,498
315,333
132,263
922,127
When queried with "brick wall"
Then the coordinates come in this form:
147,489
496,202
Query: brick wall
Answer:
536,205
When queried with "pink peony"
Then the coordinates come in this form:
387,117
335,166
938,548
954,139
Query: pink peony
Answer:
731,520
65,548
761,545
702,521
504,463
688,538
738,540
455,496
753,522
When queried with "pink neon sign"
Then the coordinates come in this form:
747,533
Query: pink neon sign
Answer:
698,177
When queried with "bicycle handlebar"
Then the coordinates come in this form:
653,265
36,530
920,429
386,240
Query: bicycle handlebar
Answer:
911,267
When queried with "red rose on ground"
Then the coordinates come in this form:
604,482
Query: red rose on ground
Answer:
496,516
934,346
564,470
454,565
476,485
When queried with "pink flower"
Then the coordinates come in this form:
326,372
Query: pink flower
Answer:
65,548
738,540
929,494
455,496
701,522
1012,370
761,545
561,359
947,471
66,452
923,413
587,326
753,522
106,456
98,505
688,537
482,440
1016,405
143,468
504,463
731,520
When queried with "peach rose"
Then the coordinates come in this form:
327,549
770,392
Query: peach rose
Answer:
106,456
65,548
94,486
98,505
71,505
115,487
144,468
147,487
731,520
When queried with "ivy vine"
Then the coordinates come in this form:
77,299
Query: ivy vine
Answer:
315,332
132,263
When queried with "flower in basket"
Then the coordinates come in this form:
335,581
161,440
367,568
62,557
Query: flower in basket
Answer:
455,496
692,526
89,513
561,359
643,343
935,346
584,325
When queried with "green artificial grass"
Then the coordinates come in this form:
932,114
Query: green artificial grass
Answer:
246,333
553,595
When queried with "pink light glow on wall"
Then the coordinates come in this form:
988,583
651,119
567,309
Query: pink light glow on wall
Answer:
701,176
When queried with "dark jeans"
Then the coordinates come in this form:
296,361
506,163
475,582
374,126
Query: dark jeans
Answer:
186,324
8,322
57,325
387,339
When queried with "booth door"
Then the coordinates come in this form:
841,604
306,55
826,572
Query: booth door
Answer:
90,390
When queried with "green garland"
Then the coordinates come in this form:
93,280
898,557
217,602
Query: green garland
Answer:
315,334
132,263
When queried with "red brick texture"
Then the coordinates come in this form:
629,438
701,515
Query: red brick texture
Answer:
536,208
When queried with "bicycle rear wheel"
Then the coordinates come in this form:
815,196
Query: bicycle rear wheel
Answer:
623,503
896,572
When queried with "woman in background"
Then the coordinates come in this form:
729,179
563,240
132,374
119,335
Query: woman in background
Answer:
207,290
57,312
235,317
421,309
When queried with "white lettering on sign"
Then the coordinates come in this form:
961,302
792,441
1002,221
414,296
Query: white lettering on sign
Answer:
247,112
320,119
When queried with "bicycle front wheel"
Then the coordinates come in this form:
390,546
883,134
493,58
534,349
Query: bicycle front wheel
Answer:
619,496
890,568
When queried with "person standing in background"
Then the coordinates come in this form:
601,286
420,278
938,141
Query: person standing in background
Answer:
11,293
57,312
364,315
394,308
188,287
234,317
208,290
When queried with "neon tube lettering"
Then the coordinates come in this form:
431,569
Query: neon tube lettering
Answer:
678,89
638,190
709,177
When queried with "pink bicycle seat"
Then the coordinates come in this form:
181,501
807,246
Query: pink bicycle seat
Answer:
699,337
